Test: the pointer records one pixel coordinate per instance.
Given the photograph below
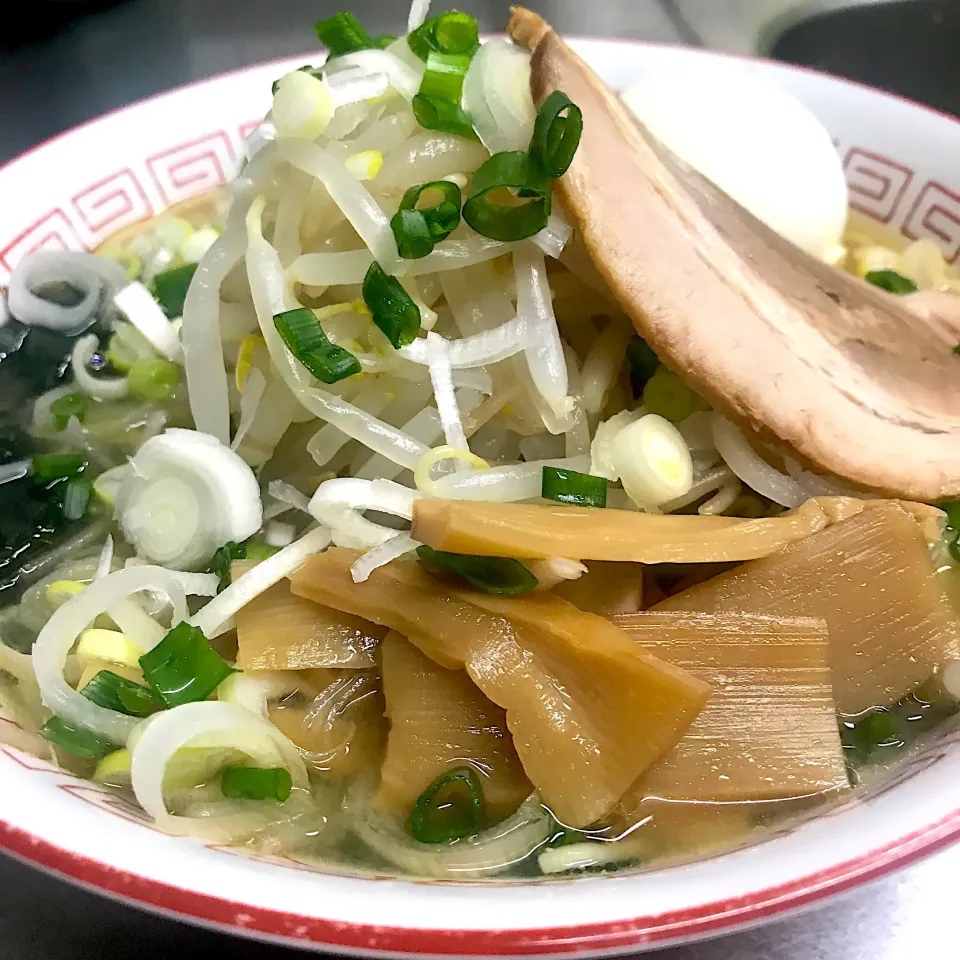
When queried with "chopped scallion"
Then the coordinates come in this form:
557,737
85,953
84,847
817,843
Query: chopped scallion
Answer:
452,32
443,78
667,395
57,466
556,133
76,497
500,575
170,288
643,364
153,378
443,115
569,486
891,281
76,740
343,33
110,690
223,560
71,405
385,40
393,310
412,233
305,339
509,199
452,807
443,216
256,783
183,667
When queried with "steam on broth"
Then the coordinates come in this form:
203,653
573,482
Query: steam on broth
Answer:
344,516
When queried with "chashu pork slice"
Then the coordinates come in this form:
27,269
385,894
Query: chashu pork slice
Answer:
804,354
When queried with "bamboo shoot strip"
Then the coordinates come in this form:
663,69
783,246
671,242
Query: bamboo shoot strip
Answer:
588,710
769,731
534,531
873,581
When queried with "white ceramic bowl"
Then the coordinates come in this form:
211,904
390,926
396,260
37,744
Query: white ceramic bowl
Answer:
76,190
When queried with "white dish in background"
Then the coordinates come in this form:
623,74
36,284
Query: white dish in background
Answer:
75,191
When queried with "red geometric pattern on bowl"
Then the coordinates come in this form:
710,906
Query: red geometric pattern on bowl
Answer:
876,183
52,231
192,168
110,204
936,214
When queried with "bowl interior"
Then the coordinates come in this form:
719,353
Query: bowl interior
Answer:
75,191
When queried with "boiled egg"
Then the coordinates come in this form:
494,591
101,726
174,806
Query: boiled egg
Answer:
757,143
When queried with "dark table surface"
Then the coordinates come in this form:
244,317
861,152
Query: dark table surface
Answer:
68,61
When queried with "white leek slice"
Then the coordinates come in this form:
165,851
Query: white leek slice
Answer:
489,852
187,494
496,95
253,689
137,304
62,630
303,106
107,485
214,617
103,388
208,723
653,461
97,644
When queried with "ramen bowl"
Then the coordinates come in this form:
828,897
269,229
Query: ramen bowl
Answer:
82,187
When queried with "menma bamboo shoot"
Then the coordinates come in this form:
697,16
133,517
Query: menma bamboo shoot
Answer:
529,531
589,710
871,578
440,720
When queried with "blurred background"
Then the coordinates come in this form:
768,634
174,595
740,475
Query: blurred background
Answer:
65,61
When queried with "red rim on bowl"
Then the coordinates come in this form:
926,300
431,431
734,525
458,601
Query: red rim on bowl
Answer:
700,921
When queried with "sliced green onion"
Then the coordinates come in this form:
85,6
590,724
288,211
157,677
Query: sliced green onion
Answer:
76,498
257,550
393,310
412,233
443,78
153,378
183,667
57,466
667,395
952,509
305,339
443,217
452,807
643,363
343,33
76,740
71,405
223,560
451,32
384,40
443,115
110,690
170,288
568,486
507,218
891,281
956,350
256,783
556,133
500,575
